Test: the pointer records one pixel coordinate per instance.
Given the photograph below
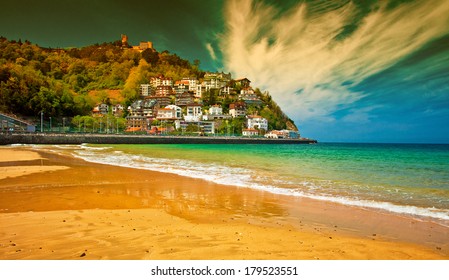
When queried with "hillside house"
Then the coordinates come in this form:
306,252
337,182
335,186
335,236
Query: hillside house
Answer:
117,110
180,87
184,98
215,110
215,80
163,90
200,89
161,100
218,75
257,122
144,108
237,109
250,132
100,109
193,112
146,90
215,113
161,81
170,112
202,127
251,99
243,83
226,90
192,83
137,123
247,90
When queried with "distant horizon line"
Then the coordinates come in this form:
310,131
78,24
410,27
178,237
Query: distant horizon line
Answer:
386,143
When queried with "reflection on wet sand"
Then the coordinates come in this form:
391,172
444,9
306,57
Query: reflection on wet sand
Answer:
107,212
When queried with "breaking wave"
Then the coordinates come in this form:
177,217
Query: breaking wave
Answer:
243,177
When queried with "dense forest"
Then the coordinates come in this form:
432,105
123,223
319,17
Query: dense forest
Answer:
70,82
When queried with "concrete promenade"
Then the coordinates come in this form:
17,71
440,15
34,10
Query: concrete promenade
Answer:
61,139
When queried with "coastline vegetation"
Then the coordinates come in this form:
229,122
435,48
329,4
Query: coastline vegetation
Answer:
66,84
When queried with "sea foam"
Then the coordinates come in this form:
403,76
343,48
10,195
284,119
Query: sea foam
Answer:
242,177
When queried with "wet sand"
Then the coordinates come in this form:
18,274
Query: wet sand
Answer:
72,209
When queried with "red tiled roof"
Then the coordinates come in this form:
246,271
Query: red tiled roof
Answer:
241,79
182,82
132,129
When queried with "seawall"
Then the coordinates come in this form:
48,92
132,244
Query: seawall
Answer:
61,139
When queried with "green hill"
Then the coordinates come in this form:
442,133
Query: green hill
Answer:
65,83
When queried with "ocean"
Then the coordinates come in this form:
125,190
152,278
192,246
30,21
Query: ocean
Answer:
407,179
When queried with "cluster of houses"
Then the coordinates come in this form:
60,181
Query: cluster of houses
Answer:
166,105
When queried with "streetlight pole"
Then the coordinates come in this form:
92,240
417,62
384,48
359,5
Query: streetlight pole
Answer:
50,125
42,121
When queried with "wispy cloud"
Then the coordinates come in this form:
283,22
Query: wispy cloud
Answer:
211,51
360,115
302,59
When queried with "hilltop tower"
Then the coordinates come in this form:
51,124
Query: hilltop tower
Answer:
124,40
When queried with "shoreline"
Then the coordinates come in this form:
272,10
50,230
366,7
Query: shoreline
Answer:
60,139
91,204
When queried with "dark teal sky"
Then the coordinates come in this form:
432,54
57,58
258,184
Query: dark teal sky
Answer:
353,71
179,26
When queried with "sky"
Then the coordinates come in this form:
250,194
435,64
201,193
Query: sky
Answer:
344,71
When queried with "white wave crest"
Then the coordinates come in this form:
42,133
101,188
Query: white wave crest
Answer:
242,177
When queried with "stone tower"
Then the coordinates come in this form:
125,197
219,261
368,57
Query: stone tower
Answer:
124,40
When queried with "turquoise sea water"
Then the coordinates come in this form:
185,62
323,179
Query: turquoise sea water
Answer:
403,178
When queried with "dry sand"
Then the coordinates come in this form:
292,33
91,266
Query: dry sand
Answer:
79,210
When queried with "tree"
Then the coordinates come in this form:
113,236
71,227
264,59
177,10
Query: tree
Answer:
57,81
135,78
196,63
76,121
151,56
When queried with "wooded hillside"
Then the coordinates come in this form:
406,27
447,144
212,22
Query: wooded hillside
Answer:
70,82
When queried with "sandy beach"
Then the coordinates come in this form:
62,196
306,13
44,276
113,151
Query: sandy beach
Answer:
60,207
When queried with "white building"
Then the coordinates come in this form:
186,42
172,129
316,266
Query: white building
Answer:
226,90
212,83
257,122
192,82
247,90
249,132
193,112
216,110
177,110
216,113
206,127
170,112
216,81
199,91
161,81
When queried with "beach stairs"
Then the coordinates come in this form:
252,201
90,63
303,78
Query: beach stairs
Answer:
9,123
